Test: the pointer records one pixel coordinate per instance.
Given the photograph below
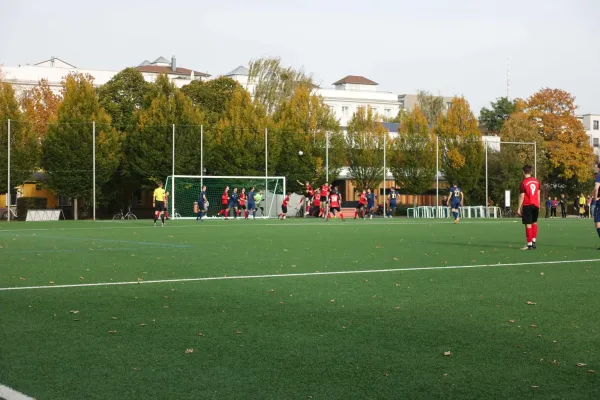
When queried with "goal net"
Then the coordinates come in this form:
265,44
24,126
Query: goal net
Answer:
184,190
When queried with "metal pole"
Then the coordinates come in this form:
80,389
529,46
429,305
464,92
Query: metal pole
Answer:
8,193
535,159
94,169
384,197
327,156
437,174
486,179
201,156
172,194
266,167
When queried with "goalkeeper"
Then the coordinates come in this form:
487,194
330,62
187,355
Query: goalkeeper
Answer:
258,197
202,204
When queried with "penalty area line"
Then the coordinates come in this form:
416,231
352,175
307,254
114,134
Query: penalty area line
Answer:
11,394
303,274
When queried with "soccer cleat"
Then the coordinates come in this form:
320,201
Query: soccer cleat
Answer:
534,245
163,224
527,247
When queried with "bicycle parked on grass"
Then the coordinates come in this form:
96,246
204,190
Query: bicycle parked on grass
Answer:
13,213
129,216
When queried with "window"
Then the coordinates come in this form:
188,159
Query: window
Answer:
345,110
375,111
596,125
596,142
388,112
448,106
402,104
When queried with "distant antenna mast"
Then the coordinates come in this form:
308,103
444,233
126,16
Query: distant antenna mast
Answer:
508,79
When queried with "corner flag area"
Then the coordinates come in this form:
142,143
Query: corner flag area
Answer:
297,309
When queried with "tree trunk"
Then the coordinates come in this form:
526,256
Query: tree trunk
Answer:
75,208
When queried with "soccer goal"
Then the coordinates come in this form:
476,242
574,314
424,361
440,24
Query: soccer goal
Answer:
184,190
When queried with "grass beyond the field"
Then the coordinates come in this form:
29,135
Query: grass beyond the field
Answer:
271,335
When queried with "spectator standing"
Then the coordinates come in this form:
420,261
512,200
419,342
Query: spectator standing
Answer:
563,206
553,208
582,204
548,206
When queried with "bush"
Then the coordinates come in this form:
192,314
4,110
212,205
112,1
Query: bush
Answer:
30,203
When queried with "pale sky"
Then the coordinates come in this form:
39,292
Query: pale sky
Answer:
458,47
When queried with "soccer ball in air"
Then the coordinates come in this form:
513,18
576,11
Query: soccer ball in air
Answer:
300,152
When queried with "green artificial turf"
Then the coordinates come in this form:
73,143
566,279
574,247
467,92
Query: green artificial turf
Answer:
379,335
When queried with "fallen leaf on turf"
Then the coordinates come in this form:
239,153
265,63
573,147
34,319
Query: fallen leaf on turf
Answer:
343,327
531,303
165,306
447,353
332,300
309,397
74,311
386,374
445,374
22,279
165,297
113,317
271,290
555,362
539,335
581,365
81,278
189,351
395,259
378,247
238,332
112,332
518,346
533,326
534,386
555,341
541,273
51,282
512,321
397,284
591,371
281,302
200,334
142,324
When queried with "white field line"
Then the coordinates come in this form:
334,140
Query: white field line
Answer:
282,224
223,278
11,394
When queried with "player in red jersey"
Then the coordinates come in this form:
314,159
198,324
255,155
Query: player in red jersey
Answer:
335,200
224,203
315,208
309,194
529,206
284,206
242,204
362,204
324,199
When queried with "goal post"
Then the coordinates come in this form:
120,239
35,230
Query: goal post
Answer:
184,190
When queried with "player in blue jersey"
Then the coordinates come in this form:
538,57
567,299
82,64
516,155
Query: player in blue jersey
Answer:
371,203
457,198
251,204
596,197
233,203
392,203
202,204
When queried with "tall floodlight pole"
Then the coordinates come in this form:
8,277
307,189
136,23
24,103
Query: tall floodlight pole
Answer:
8,191
486,179
173,179
94,170
201,156
437,174
266,167
327,156
384,146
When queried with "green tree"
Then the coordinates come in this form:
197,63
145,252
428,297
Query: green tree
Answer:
237,145
275,83
212,97
364,149
122,96
493,119
149,147
412,160
67,147
432,106
24,144
461,148
304,123
40,107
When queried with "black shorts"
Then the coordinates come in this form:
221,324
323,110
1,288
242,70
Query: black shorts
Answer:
242,207
159,206
360,206
530,215
332,209
224,206
284,209
323,199
308,196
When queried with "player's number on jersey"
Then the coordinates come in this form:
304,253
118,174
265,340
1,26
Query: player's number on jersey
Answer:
533,188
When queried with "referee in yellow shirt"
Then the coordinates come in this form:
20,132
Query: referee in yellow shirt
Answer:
158,202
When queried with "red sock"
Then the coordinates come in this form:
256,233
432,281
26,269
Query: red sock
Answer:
226,213
535,230
529,234
342,215
355,214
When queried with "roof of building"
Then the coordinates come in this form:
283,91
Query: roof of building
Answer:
157,69
161,60
241,70
355,80
144,63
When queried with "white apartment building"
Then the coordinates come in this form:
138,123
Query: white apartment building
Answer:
591,123
54,70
